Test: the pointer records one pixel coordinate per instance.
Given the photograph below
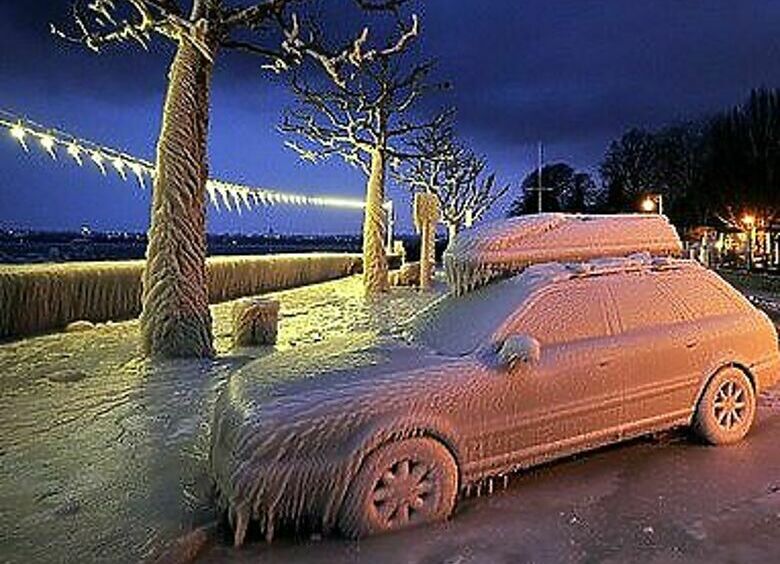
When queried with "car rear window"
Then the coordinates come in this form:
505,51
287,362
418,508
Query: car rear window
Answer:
703,294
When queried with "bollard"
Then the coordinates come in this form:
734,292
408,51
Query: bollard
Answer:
255,322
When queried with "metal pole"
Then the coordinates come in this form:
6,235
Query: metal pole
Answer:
660,204
539,176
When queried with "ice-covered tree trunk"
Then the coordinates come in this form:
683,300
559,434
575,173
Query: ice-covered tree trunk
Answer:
175,321
452,231
426,216
375,278
427,255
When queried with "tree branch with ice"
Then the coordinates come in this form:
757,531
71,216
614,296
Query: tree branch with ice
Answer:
362,112
283,34
454,173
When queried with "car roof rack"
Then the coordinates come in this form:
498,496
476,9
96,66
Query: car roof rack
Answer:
503,248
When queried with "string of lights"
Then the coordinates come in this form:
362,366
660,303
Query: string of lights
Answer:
233,196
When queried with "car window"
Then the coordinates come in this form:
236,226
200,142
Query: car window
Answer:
457,325
641,302
567,312
701,294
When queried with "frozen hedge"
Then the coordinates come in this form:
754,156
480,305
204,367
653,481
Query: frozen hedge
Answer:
39,298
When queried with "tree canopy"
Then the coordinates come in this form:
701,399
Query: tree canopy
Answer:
564,190
708,171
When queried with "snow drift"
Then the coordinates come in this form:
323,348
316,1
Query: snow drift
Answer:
38,298
505,247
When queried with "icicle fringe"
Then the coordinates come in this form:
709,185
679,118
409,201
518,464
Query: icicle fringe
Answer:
39,298
503,248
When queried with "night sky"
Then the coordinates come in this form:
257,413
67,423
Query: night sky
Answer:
574,74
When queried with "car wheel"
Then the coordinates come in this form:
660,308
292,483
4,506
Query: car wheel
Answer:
727,408
401,485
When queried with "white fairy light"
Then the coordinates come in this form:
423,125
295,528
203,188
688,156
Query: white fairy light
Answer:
47,142
75,151
102,156
19,133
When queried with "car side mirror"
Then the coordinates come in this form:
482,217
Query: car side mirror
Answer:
519,348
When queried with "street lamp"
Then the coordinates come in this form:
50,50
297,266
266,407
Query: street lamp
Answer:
653,203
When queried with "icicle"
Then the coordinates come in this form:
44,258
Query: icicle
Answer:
245,197
212,195
241,526
139,175
223,192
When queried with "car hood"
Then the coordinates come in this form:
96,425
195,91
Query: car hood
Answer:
291,429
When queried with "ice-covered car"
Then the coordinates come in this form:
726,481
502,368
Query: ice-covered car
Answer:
372,436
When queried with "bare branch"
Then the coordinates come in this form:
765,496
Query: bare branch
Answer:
101,22
452,172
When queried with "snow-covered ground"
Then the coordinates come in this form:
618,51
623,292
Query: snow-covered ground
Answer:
103,453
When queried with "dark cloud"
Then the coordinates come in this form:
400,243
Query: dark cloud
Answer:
572,73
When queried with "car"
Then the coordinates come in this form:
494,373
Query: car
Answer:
373,436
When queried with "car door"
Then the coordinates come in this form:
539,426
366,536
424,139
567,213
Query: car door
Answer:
571,398
656,345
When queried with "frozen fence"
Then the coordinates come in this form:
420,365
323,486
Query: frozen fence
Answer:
38,298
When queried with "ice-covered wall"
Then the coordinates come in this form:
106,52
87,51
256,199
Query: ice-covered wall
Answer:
39,298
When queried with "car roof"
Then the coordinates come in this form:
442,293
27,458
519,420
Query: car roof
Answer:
453,324
559,273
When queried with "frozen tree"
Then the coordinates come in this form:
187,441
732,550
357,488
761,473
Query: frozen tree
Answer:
457,176
175,320
363,117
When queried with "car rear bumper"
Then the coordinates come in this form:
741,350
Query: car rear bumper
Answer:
767,372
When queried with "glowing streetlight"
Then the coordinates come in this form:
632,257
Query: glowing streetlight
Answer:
749,221
653,203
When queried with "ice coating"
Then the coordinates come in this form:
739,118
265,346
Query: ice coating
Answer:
293,429
502,247
457,325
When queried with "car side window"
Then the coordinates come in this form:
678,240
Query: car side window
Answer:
641,302
700,295
566,313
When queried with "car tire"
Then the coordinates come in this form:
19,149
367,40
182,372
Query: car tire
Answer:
400,485
727,408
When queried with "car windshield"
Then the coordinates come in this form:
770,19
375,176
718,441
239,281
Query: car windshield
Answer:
458,325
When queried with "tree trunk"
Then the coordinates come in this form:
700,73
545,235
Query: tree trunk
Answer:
175,321
426,215
427,255
452,230
375,279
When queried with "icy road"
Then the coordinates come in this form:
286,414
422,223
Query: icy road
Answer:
103,458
